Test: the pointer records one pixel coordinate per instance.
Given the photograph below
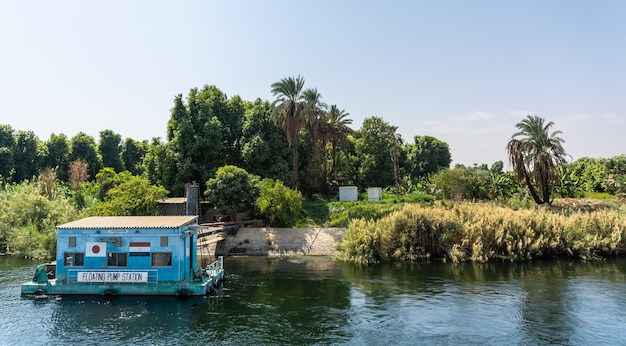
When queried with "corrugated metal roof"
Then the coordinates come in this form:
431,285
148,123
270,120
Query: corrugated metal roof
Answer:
131,222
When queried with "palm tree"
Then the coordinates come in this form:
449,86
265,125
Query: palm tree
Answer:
534,149
289,114
315,115
315,112
395,141
337,131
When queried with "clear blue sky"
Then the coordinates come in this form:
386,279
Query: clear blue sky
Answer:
464,72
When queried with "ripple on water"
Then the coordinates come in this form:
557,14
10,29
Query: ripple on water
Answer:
270,302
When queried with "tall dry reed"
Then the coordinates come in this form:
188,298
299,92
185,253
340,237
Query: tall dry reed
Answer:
484,232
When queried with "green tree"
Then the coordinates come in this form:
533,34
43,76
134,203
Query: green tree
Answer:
231,125
278,205
462,183
615,175
107,179
58,156
497,167
195,143
337,132
210,104
290,115
373,153
395,145
133,153
586,175
26,156
534,153
7,146
160,164
314,168
264,148
110,148
427,155
231,190
83,147
134,196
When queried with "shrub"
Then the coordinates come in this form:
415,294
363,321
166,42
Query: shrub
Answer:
29,215
232,189
133,197
361,243
278,205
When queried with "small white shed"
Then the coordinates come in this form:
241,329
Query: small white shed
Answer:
348,194
374,193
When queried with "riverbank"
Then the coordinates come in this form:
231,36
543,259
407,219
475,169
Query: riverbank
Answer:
275,242
481,232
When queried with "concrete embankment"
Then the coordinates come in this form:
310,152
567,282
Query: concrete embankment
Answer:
274,242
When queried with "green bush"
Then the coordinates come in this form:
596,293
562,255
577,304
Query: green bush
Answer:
278,205
361,243
28,217
233,189
134,196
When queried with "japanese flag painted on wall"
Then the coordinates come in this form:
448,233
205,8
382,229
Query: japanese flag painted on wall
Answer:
96,249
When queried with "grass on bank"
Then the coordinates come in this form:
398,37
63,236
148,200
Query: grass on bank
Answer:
484,232
322,211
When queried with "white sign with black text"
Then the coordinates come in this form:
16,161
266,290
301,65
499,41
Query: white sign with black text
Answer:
112,276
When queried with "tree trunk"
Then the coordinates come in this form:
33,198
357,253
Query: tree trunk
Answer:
294,176
532,189
334,162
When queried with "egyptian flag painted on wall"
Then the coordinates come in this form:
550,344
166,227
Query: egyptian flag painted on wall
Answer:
139,248
96,249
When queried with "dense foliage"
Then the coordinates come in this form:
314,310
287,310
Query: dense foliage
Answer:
302,142
244,154
482,233
278,205
132,196
232,190
29,213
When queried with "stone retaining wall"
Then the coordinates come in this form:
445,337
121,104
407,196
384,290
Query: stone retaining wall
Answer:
253,241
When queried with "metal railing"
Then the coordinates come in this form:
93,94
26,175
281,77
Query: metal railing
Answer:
215,267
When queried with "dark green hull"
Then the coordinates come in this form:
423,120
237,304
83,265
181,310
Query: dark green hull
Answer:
198,287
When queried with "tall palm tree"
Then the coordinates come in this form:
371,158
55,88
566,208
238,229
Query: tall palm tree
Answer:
315,114
395,141
534,149
289,114
337,131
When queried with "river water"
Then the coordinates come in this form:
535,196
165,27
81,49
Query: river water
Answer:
304,301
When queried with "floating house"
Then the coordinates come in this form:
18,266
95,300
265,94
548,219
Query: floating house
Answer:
127,255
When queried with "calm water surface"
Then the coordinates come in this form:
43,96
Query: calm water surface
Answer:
316,301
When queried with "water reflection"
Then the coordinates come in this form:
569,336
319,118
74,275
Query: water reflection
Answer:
317,301
545,302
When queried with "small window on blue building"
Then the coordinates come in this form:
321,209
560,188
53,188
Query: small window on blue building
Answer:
117,259
71,242
161,259
163,241
74,259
